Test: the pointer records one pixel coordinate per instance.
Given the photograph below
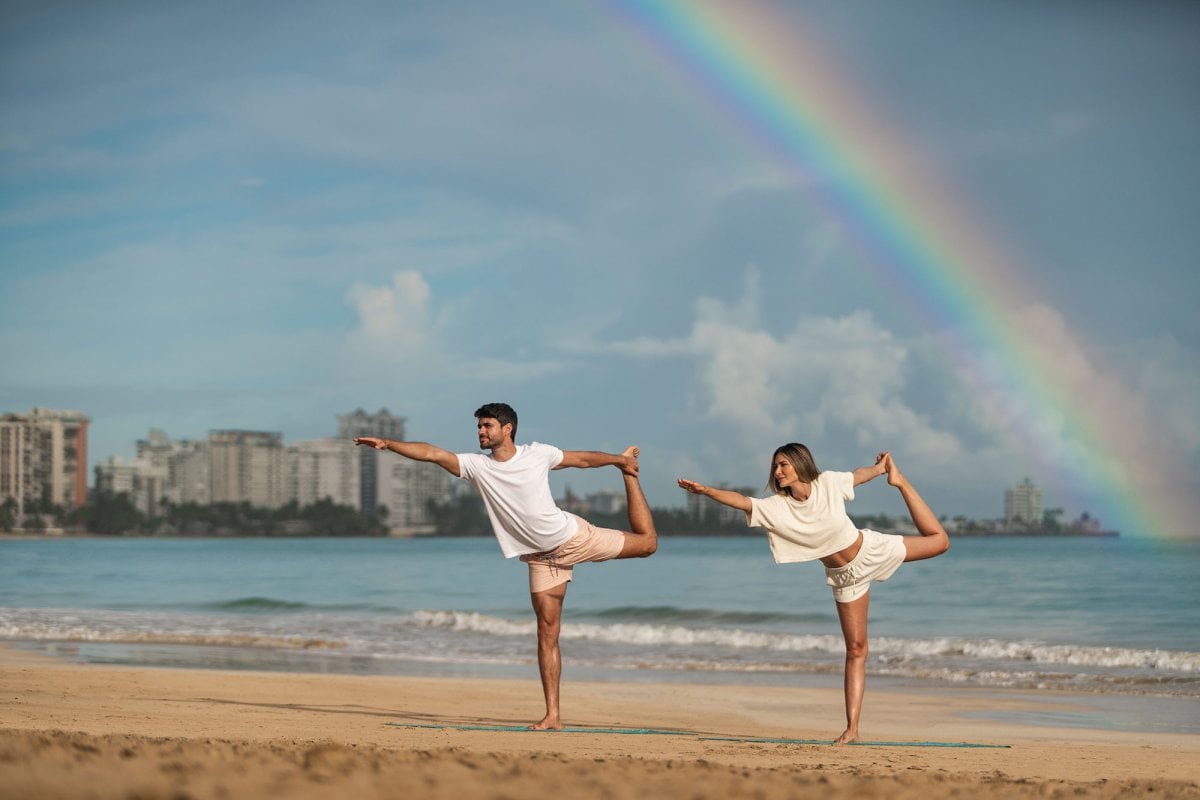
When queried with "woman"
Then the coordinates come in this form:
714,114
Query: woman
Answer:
806,519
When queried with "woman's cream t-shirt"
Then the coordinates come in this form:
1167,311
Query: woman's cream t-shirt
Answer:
804,530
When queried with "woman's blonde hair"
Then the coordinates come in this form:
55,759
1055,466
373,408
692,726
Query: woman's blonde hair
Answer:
801,460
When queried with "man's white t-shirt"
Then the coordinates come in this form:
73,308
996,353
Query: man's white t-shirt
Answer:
804,530
516,494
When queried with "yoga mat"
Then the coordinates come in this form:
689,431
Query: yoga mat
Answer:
772,740
660,732
525,729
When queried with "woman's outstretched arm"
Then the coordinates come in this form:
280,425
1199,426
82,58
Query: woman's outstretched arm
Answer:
722,496
864,474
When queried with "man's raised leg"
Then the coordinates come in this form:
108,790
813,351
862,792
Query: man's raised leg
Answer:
547,606
642,539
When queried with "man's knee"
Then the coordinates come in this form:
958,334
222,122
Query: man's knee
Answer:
647,543
548,629
639,545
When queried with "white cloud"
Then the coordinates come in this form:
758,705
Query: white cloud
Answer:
395,317
402,339
825,376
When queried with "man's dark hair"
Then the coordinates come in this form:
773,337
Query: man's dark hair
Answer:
501,412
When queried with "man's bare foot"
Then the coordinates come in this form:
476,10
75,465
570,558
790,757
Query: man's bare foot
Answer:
848,737
630,467
547,724
895,476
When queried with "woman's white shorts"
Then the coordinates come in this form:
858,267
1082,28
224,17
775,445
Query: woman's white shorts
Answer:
881,554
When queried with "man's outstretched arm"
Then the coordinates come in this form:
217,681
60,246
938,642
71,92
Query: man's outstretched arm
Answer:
588,459
417,451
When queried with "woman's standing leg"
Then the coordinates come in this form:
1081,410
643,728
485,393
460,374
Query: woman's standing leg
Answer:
853,616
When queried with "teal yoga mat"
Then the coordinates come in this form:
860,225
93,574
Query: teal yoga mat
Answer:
773,740
662,732
525,729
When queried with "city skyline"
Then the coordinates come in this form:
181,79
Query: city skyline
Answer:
159,438
963,235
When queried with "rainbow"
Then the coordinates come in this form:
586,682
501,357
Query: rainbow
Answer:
769,77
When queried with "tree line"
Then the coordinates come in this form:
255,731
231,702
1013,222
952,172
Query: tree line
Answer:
115,514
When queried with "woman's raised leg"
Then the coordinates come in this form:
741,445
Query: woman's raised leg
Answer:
933,540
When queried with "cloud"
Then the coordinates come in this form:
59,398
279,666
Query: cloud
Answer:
395,317
403,339
825,377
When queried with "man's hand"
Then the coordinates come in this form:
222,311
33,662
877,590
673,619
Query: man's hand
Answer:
372,441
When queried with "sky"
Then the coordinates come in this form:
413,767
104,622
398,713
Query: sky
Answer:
962,232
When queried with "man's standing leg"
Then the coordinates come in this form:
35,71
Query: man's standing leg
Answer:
548,606
640,541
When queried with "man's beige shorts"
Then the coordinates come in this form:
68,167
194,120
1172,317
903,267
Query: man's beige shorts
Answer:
881,554
547,570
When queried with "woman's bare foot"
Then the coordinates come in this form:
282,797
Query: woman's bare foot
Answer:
895,476
848,737
630,454
547,724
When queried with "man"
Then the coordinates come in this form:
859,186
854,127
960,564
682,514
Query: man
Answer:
514,483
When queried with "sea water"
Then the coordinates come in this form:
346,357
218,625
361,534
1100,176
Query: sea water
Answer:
1116,618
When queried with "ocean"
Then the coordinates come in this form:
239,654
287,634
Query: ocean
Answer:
1113,620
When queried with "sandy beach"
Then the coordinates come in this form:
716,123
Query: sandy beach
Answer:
74,731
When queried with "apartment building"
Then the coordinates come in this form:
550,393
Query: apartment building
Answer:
138,480
247,467
1023,504
701,508
43,459
382,424
325,469
406,488
181,466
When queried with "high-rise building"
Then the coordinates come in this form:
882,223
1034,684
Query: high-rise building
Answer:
324,469
608,501
382,424
1023,504
140,481
403,486
406,488
183,466
701,508
43,459
247,467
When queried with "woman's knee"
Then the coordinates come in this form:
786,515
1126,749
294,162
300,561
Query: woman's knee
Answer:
921,547
856,649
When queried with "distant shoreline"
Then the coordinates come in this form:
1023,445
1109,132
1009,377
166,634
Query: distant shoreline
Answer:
737,534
